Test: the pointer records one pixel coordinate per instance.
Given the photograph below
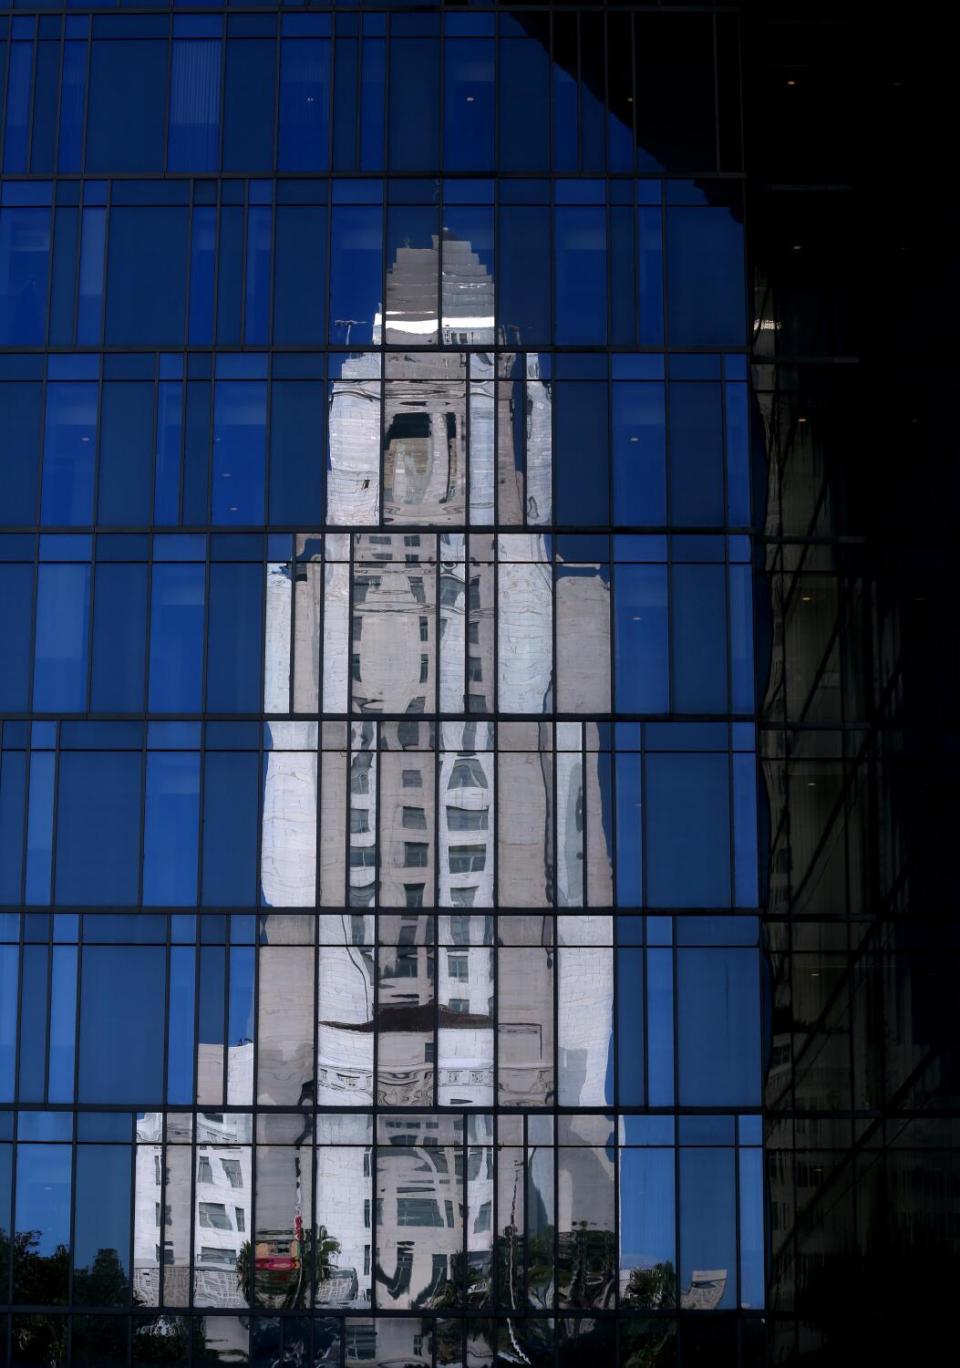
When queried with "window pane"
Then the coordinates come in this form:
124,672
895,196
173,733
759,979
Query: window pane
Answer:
101,1241
98,828
642,677
69,446
126,453
718,992
146,275
60,666
304,104
176,638
171,832
122,997
126,105
119,638
193,139
688,831
239,451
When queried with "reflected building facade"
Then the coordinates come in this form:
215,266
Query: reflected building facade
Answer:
383,976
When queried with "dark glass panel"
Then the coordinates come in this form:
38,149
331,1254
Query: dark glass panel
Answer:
101,1234
119,638
248,105
126,105
121,1000
146,276
125,486
688,831
98,828
581,458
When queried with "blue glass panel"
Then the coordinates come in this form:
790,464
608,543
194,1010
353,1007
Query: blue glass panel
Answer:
239,451
629,842
581,458
176,638
166,509
126,453
17,130
248,115
256,313
696,455
299,275
346,92
622,250
202,275
581,276
414,123
296,451
119,638
688,831
13,773
16,612
230,276
126,105
196,453
639,454
73,89
46,74
738,456
356,288
182,1010
719,1027
304,104
9,974
372,95
524,271
171,832
564,119
524,105
650,277
19,452
24,274
230,829
660,1028
146,275
705,274
90,295
63,288
741,638
708,1232
60,660
33,1022
468,104
642,678
69,444
122,994
648,1237
752,1260
101,1237
746,861
43,1218
40,828
193,136
63,1024
98,828
234,652
698,608
630,1028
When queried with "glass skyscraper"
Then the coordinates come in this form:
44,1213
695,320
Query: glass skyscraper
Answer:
404,958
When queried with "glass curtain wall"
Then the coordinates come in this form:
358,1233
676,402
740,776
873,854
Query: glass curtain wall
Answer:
381,970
